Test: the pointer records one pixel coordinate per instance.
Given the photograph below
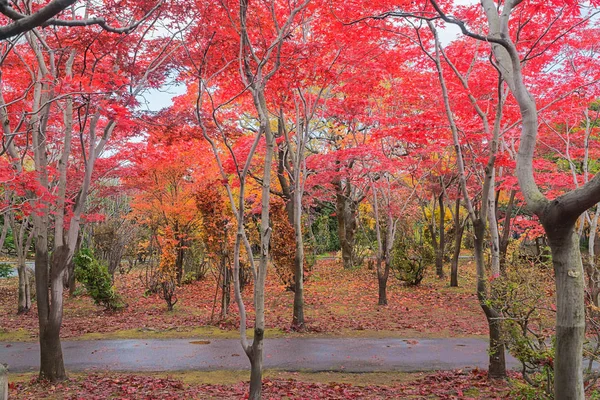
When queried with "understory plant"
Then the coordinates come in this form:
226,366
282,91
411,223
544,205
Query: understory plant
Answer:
96,279
411,255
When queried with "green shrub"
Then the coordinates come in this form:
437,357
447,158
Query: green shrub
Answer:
5,270
524,300
97,282
410,257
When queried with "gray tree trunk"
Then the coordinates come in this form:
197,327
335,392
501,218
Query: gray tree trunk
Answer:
3,382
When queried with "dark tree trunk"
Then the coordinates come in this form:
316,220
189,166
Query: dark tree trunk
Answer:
497,360
290,207
225,288
439,257
298,315
256,365
459,229
179,262
346,217
50,309
382,280
52,367
506,230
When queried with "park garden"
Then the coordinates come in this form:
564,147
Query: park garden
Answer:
412,175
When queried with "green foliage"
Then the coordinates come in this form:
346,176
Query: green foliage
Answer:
5,270
96,279
524,298
9,243
195,264
525,391
189,277
411,255
324,231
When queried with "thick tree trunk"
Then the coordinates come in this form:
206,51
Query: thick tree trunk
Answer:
52,367
497,360
50,309
570,307
256,365
298,316
382,280
346,217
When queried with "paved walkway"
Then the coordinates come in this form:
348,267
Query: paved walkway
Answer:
290,354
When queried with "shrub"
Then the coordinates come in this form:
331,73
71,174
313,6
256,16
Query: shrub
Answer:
283,248
524,299
410,257
6,270
96,279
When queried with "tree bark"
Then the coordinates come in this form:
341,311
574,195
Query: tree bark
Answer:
459,229
3,382
24,289
346,217
497,366
497,360
570,309
558,216
439,259
504,240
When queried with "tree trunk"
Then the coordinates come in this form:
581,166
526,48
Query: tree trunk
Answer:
346,217
179,262
256,365
225,289
298,316
4,232
52,367
506,230
459,229
382,279
570,307
3,382
24,289
439,259
50,310
497,360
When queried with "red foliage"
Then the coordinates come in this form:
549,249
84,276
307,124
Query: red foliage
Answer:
336,300
446,385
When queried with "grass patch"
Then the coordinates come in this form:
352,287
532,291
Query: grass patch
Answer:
20,335
209,332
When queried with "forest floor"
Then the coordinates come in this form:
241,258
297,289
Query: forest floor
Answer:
276,385
337,302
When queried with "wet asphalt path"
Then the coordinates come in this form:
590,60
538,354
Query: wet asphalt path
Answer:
290,354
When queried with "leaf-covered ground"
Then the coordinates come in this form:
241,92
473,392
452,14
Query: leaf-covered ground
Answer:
440,385
337,301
